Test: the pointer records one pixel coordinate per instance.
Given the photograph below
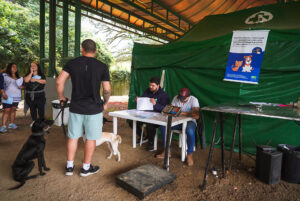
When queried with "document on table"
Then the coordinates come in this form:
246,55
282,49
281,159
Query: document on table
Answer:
144,115
143,103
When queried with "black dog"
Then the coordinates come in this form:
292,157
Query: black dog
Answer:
32,149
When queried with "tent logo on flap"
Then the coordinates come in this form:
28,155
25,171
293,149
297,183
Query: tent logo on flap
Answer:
259,17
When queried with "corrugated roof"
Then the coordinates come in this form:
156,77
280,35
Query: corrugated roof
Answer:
166,19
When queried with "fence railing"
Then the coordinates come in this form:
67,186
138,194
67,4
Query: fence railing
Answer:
119,88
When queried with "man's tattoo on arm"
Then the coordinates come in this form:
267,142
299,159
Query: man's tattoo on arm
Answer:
106,95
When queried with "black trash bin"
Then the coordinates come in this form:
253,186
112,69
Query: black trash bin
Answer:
290,163
268,164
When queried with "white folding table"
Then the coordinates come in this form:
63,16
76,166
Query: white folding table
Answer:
152,118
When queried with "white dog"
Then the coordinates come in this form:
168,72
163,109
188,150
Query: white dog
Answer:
112,141
247,66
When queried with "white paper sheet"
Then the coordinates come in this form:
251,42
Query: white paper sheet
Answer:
144,103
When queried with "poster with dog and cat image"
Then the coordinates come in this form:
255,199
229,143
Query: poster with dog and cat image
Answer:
246,55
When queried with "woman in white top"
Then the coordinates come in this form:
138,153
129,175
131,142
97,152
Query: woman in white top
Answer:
11,96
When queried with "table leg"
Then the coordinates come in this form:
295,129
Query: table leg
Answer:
115,122
134,134
168,140
233,139
210,151
183,140
240,137
222,141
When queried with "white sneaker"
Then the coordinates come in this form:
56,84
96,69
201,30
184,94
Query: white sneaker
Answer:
12,126
3,129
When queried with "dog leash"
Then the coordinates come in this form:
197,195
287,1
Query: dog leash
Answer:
62,106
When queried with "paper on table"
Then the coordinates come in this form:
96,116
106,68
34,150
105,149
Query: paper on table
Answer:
144,115
144,103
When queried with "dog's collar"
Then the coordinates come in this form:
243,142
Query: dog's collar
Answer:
37,134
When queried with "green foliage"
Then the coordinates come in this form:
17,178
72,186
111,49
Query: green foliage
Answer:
116,76
19,35
103,54
19,40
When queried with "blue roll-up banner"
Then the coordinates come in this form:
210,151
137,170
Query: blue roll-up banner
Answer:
246,55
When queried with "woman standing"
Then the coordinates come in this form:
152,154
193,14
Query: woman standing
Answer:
11,96
35,96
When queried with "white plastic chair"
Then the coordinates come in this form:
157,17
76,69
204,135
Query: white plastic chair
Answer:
144,141
181,143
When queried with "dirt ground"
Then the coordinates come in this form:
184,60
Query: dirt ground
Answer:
240,183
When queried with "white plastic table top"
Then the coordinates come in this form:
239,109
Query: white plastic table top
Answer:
148,117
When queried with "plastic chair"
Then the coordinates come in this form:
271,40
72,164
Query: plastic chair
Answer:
144,141
181,144
199,132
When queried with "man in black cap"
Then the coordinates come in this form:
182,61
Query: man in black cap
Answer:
189,107
159,98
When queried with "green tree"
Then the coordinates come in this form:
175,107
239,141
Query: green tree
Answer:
19,35
115,36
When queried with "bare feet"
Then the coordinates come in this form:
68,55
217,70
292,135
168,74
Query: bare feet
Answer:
162,155
190,161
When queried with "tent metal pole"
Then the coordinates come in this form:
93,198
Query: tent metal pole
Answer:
65,30
52,38
77,27
42,34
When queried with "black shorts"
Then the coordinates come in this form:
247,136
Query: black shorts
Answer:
14,104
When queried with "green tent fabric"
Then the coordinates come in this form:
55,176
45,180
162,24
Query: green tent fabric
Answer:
198,61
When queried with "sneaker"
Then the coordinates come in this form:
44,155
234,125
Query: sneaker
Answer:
31,124
3,129
92,170
150,147
69,171
12,126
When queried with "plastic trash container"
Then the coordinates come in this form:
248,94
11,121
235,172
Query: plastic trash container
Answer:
268,164
290,163
56,108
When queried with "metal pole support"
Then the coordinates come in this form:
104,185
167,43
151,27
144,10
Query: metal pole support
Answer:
166,159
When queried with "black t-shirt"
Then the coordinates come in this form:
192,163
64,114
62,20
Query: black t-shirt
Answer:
35,86
86,73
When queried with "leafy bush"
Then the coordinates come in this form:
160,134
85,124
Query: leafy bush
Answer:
116,76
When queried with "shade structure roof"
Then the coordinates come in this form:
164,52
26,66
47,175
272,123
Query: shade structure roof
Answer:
166,19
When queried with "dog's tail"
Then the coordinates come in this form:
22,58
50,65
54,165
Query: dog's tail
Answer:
23,182
18,186
119,139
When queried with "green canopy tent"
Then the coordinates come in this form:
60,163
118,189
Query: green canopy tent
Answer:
198,61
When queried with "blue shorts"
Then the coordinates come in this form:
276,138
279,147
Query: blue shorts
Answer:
91,124
14,104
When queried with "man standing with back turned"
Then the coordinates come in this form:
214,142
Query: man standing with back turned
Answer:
87,75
